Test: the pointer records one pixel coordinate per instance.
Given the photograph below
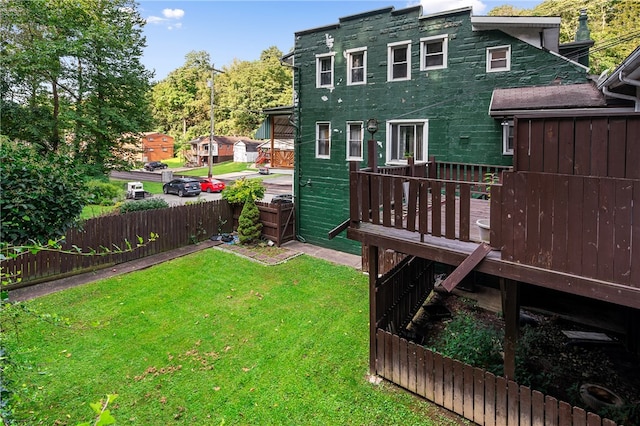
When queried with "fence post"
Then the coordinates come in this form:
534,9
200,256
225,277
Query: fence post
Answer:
372,155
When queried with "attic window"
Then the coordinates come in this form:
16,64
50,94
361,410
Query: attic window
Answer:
498,58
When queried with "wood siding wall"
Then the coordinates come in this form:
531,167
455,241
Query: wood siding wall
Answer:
595,145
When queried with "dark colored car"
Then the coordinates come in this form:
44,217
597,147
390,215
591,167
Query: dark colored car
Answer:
211,185
282,198
182,187
153,165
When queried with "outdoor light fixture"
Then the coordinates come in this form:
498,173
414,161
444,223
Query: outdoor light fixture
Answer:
372,126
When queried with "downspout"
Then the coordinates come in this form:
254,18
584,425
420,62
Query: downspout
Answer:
623,79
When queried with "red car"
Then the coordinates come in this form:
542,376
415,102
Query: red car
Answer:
211,185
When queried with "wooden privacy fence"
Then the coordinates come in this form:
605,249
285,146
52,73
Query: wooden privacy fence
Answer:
278,221
176,227
583,225
473,393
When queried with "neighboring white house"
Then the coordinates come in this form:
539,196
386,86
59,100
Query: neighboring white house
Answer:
245,151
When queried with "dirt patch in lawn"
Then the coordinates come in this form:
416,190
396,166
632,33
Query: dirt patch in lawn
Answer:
261,252
548,360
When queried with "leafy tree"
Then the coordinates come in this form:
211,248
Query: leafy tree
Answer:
40,196
249,226
243,190
614,26
73,77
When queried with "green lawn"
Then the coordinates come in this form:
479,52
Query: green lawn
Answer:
218,169
206,339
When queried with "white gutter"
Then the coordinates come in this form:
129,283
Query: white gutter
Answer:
628,80
621,96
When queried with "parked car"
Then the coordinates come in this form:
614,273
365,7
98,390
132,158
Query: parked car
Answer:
153,165
211,185
282,198
182,187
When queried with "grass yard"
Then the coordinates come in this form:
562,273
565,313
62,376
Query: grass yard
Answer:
206,339
219,169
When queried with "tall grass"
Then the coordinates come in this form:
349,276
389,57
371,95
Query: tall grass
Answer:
206,339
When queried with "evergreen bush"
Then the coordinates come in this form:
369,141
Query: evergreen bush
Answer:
149,204
249,226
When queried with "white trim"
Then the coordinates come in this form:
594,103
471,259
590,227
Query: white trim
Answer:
506,124
319,58
318,124
348,54
490,50
425,139
348,141
445,52
390,48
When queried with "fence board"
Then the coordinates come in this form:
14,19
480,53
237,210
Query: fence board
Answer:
532,224
582,159
458,387
564,413
566,147
599,142
525,406
450,210
634,279
478,395
606,230
403,367
448,383
622,230
550,149
633,149
561,218
429,367
468,391
513,404
551,414
590,231
501,400
489,399
412,359
617,148
537,408
438,379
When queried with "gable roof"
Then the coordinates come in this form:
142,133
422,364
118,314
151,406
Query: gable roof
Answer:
513,100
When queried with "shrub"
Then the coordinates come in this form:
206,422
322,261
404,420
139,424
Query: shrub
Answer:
149,204
471,342
103,193
41,196
243,190
249,226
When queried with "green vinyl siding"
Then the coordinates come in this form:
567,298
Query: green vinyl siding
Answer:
454,100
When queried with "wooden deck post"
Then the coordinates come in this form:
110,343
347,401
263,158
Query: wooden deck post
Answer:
372,155
511,311
373,315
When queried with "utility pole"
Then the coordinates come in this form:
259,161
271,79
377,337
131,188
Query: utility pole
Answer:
211,142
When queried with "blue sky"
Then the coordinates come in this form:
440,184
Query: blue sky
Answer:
241,30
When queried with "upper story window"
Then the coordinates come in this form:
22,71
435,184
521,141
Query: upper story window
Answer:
407,138
354,140
498,58
507,137
433,52
324,70
357,66
399,61
323,140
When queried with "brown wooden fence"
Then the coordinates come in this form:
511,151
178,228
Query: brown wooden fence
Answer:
176,227
278,221
471,392
583,225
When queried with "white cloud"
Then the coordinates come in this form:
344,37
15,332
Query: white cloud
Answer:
170,18
173,13
433,6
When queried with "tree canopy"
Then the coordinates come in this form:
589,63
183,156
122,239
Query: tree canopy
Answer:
614,26
182,101
72,77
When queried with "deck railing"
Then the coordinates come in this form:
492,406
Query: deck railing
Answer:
391,197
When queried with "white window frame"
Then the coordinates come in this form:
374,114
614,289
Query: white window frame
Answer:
318,125
349,54
400,157
507,134
444,38
350,124
390,49
491,51
319,59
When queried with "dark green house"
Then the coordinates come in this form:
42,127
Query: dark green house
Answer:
428,80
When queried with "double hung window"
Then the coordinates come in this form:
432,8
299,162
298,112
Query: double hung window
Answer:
354,140
433,52
323,140
399,61
499,58
324,70
357,66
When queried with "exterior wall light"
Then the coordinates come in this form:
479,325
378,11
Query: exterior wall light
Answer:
372,126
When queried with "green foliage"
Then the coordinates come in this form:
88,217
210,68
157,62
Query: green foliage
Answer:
243,190
249,226
139,205
613,25
473,343
41,196
103,415
103,193
74,82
